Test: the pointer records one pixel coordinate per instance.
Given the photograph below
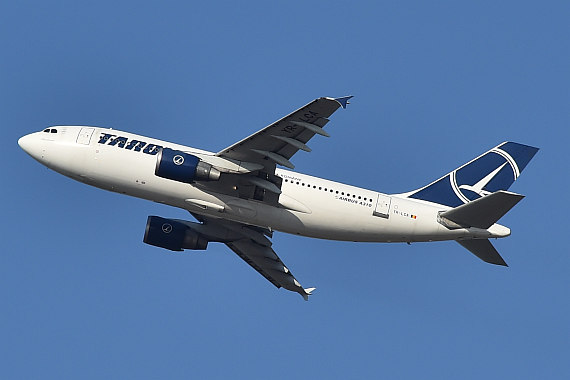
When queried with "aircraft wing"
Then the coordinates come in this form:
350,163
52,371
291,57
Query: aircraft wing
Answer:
254,247
278,142
269,265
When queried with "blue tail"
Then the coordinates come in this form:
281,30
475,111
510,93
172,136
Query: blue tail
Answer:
495,170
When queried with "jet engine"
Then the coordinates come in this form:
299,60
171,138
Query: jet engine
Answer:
172,234
183,167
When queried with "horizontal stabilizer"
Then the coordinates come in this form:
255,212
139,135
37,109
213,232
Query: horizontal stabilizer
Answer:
483,212
483,249
308,292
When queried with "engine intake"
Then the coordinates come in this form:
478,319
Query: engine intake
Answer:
183,167
172,234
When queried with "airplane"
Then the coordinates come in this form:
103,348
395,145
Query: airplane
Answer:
239,196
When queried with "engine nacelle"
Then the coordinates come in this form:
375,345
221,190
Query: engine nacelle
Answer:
183,167
172,235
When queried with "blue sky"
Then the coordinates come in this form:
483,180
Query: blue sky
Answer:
434,84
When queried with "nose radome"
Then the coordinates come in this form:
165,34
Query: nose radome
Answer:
32,145
25,143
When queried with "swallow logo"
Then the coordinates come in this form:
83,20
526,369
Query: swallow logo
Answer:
167,228
178,160
478,187
475,187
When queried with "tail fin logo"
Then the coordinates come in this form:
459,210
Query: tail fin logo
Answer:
495,170
466,192
478,187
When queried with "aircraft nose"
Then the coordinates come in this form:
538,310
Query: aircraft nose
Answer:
32,145
26,143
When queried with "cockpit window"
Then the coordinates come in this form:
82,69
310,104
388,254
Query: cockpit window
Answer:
53,130
46,130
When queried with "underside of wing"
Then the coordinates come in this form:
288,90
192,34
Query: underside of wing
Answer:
278,142
253,245
264,260
271,146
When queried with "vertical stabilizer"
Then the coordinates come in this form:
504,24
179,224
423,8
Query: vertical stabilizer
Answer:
494,170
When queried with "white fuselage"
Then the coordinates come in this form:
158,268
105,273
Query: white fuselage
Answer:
309,206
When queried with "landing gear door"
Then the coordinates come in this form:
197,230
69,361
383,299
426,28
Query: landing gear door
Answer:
382,206
84,136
